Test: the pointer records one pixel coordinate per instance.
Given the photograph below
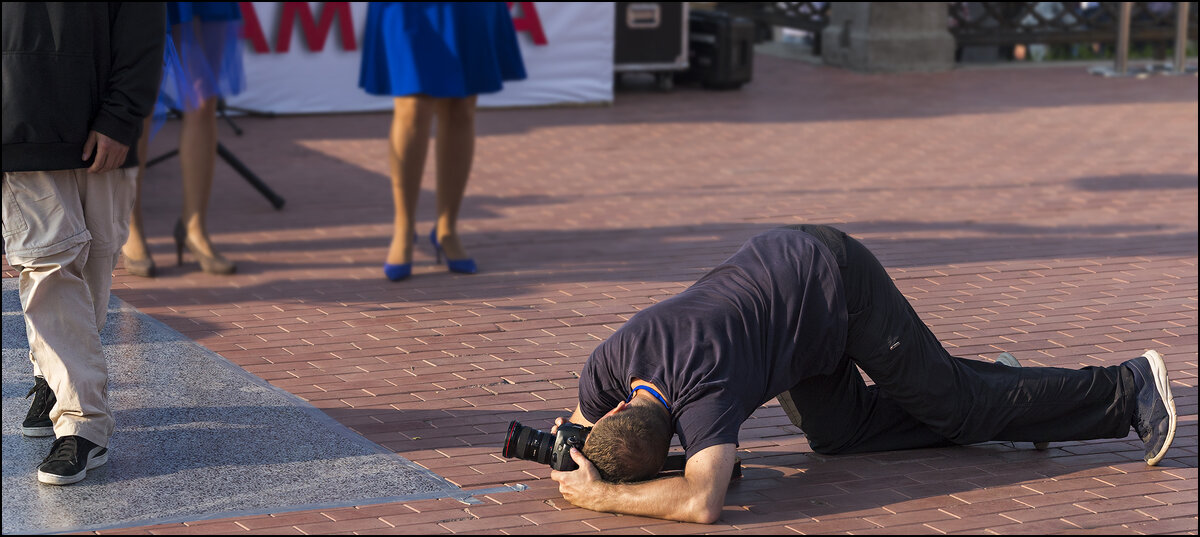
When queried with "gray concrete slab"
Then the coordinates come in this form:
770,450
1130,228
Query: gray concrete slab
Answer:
197,437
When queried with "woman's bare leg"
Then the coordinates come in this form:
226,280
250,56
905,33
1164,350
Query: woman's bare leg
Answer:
455,153
135,248
197,156
408,145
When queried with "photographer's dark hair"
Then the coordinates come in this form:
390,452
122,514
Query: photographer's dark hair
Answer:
630,445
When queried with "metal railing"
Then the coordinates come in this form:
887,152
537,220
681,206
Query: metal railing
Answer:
1003,23
1121,47
808,16
1011,23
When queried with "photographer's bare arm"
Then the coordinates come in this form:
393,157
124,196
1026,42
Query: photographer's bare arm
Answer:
696,496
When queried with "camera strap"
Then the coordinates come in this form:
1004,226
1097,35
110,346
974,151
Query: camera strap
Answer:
652,392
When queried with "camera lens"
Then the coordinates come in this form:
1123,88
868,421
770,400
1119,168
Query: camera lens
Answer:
527,443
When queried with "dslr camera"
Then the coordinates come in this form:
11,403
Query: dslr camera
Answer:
539,446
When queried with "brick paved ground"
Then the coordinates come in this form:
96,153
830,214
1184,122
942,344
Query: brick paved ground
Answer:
1039,211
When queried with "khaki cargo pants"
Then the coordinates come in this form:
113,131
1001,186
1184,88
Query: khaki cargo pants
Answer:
63,230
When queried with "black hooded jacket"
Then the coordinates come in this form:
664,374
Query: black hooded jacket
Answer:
73,67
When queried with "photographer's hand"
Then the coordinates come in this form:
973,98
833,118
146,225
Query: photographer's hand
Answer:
582,486
696,496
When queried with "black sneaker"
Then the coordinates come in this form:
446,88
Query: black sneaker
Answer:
1011,361
1154,413
69,460
37,420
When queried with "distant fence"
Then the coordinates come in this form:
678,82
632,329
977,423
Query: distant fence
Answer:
1011,23
998,23
811,17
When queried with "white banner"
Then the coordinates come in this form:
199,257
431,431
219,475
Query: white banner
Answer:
304,57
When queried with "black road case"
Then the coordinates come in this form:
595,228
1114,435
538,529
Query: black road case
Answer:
651,37
721,52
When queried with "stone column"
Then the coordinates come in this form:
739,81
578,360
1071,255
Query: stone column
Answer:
888,37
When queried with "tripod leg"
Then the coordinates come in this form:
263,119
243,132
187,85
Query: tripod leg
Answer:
221,108
161,158
250,177
175,112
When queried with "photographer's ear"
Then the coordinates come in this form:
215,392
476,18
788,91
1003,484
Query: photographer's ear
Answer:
620,406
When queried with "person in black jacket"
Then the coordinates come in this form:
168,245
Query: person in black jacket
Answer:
79,78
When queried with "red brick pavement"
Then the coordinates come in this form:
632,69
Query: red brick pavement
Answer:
1040,211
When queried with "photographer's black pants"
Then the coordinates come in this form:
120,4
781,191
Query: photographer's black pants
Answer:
923,396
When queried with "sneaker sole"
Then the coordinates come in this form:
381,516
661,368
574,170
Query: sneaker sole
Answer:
37,431
1008,360
1158,367
1011,361
93,462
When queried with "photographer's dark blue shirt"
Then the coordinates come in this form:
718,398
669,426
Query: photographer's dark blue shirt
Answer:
772,314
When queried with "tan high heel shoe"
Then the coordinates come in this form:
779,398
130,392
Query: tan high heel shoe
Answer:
139,267
143,267
209,264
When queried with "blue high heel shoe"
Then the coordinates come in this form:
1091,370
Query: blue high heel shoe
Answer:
397,272
400,271
462,266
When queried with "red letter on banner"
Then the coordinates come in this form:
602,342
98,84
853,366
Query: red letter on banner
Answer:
251,29
315,34
529,22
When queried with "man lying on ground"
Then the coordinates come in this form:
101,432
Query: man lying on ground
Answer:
792,314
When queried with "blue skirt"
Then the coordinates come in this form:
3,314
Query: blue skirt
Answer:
440,49
181,12
208,53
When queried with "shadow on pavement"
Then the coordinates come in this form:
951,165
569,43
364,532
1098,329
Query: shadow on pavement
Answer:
514,262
